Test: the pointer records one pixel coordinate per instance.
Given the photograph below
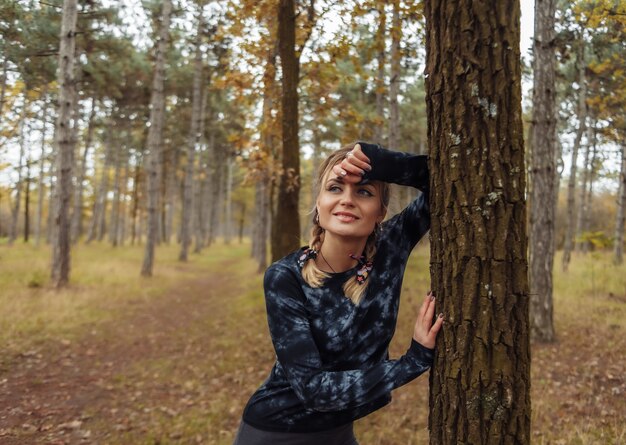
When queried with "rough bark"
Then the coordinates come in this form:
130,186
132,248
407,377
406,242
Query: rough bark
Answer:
192,145
543,174
42,157
618,247
480,379
286,232
570,220
64,146
155,134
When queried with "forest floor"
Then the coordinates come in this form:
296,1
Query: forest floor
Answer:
119,359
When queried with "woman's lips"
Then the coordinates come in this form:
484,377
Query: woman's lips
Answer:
345,217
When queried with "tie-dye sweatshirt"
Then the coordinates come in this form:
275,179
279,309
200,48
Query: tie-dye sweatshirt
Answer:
332,360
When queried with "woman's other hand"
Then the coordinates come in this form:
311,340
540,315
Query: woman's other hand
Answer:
353,166
425,330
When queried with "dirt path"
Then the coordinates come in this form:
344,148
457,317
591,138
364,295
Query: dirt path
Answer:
125,381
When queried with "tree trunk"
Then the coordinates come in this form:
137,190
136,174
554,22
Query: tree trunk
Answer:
65,146
171,187
228,200
618,248
52,200
543,174
570,220
77,214
586,224
98,221
3,80
155,135
27,198
582,206
201,188
115,205
480,379
193,144
40,186
380,37
135,194
398,193
15,210
286,227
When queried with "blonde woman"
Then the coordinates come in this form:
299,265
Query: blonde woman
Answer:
332,306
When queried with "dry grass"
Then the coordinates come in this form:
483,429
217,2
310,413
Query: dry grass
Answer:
193,389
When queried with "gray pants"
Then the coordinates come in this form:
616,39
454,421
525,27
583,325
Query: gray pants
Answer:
248,435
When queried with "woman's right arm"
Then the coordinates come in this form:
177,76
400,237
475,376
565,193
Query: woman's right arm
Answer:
318,388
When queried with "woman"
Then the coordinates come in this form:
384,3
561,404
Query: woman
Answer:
332,306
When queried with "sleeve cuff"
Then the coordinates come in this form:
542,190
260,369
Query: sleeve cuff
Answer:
421,353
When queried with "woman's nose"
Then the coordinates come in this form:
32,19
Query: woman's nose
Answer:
346,197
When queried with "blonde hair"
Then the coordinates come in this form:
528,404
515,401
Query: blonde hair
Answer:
312,274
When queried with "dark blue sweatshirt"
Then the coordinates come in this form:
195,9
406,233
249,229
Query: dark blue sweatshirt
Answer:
332,360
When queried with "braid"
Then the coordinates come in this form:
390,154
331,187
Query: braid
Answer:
312,274
352,288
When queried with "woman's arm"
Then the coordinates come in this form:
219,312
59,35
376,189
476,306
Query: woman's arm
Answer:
319,388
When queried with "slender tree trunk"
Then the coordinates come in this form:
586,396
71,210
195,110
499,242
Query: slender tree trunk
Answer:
286,233
582,196
201,188
228,224
398,193
155,134
77,214
543,174
242,221
115,205
171,187
52,196
570,220
97,226
65,146
480,379
193,144
586,224
381,36
135,205
40,186
27,199
15,210
618,247
3,80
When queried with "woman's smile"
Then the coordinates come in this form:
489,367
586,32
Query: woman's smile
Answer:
346,217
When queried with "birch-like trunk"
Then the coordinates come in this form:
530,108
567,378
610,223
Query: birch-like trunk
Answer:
398,193
192,144
77,214
618,248
15,209
64,146
380,39
98,220
155,135
543,174
570,220
42,158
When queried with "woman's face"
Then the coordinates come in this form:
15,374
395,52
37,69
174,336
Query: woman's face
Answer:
350,210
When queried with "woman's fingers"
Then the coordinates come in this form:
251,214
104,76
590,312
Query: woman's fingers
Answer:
357,151
430,312
358,159
424,306
436,326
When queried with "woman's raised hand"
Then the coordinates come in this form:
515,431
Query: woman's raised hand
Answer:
425,330
353,166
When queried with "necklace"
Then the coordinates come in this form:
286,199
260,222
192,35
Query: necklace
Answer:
326,261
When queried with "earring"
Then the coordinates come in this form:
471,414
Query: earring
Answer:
316,217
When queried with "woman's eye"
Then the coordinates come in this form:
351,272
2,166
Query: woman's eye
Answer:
365,192
334,188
